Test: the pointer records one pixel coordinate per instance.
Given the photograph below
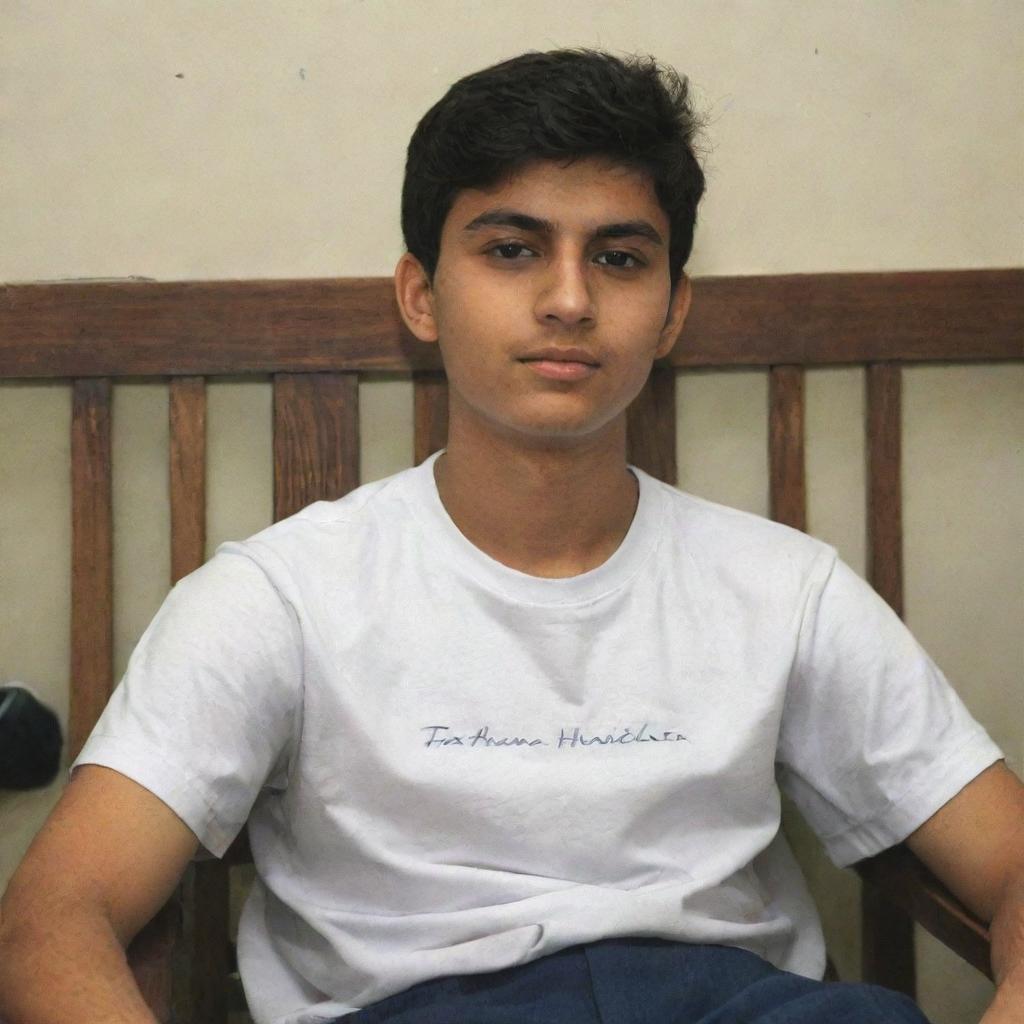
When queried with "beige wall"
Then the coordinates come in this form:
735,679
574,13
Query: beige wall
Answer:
257,139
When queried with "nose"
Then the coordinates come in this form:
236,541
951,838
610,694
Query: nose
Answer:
565,296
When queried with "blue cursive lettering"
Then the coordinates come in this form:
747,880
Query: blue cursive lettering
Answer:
442,736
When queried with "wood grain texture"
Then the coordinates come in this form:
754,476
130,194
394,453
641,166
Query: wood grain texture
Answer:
160,951
205,328
188,475
885,503
651,426
316,439
823,319
207,941
902,879
430,414
92,575
786,474
887,929
133,328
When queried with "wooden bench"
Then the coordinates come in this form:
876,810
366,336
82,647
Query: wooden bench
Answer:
315,338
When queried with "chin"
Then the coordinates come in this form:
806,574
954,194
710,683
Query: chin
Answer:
546,425
560,433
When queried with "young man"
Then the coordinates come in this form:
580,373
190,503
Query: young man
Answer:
506,726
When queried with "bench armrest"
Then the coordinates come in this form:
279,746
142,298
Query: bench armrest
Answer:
907,883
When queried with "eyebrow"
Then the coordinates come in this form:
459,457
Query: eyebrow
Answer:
525,222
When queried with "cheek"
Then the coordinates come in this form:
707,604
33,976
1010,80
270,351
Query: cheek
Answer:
467,339
650,311
638,325
475,320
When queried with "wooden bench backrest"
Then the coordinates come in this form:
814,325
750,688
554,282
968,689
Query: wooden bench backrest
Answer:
317,337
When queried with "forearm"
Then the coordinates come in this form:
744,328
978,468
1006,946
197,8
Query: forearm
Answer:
71,967
1007,932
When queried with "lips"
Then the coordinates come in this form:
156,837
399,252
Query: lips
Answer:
561,364
555,354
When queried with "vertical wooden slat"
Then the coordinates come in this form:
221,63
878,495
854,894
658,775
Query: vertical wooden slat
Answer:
316,438
430,414
887,943
205,892
92,578
188,475
651,426
885,507
787,484
887,932
209,942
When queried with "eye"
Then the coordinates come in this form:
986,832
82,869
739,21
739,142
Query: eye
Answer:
510,251
618,259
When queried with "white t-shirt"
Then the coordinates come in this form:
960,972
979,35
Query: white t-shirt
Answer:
449,766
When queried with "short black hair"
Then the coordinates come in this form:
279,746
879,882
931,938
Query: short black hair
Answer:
563,104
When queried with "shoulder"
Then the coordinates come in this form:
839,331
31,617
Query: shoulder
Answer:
737,545
336,532
363,505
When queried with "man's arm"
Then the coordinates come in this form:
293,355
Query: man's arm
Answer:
975,845
107,859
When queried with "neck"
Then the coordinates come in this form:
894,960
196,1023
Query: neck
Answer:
550,512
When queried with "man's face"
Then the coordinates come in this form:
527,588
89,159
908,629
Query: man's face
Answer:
551,299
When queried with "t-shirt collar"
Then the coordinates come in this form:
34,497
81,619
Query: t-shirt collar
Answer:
639,543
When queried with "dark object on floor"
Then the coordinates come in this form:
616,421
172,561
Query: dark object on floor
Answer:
30,740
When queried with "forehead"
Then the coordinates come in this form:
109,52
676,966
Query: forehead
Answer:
571,195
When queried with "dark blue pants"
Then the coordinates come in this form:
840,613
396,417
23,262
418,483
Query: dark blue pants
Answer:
640,981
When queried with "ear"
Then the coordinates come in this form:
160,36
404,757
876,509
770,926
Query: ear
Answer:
415,298
678,307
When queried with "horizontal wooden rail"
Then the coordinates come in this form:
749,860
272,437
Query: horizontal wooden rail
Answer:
210,328
902,878
820,319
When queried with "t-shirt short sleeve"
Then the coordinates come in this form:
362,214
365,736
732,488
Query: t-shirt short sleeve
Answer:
206,714
873,740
